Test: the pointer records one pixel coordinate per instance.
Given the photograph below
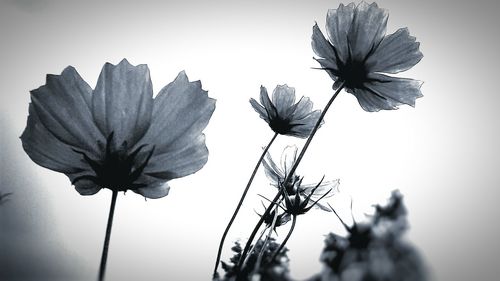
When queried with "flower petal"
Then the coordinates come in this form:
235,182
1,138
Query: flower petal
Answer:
190,155
367,29
273,172
397,52
302,127
84,186
181,111
338,24
323,188
288,158
373,103
302,108
46,150
332,187
283,99
154,190
322,47
385,92
329,67
266,102
122,102
62,105
260,109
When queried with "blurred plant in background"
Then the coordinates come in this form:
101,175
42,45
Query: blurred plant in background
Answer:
276,270
373,250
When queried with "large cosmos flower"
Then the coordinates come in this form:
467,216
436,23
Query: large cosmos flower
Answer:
117,136
294,186
283,115
358,52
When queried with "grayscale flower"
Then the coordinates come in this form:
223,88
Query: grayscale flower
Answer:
117,136
283,115
294,185
370,253
358,53
281,219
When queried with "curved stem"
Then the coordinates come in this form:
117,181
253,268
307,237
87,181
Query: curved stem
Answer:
221,245
290,174
253,246
104,257
254,232
313,132
276,253
263,248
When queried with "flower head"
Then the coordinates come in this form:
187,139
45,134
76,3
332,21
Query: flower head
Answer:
294,185
281,219
117,136
297,204
283,115
367,253
358,52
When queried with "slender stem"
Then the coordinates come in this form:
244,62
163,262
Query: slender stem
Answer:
276,253
221,245
313,132
255,244
104,257
263,248
290,174
254,232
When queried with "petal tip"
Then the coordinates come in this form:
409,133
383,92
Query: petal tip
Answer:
182,76
125,63
68,69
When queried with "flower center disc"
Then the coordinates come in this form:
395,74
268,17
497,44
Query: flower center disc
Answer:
118,170
354,74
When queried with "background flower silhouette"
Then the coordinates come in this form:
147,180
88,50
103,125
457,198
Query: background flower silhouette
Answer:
276,270
374,250
117,136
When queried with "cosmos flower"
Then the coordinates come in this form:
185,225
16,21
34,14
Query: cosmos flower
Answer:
370,253
117,136
295,186
298,204
358,53
283,115
281,219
